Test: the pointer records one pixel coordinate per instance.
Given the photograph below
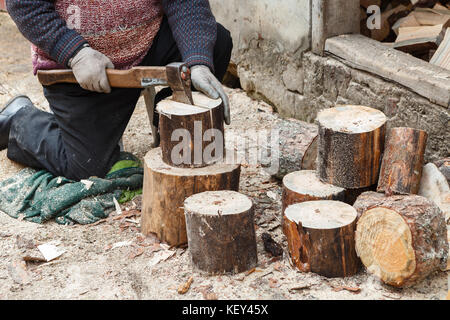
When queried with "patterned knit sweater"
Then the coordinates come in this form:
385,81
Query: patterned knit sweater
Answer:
123,30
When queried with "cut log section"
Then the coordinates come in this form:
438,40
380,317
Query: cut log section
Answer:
166,188
191,136
351,141
320,237
401,239
302,186
221,232
297,147
402,164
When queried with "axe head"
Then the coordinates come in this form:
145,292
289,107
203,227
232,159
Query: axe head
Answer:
179,80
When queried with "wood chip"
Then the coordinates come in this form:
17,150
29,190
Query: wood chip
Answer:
355,290
18,272
273,283
300,287
136,253
185,287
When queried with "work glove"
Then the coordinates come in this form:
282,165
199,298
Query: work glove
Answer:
89,67
203,80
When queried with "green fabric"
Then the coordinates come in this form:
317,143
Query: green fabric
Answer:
38,196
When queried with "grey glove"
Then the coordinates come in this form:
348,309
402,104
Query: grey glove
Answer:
89,67
203,80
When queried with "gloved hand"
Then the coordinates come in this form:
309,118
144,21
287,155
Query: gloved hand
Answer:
204,81
89,67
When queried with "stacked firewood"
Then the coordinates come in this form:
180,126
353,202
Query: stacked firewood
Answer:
398,233
417,27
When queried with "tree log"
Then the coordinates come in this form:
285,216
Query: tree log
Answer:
351,141
221,232
320,237
191,136
402,164
401,239
297,147
166,188
302,186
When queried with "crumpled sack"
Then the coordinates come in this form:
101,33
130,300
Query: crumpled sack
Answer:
38,196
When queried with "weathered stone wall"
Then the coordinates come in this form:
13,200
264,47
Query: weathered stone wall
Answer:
271,50
269,38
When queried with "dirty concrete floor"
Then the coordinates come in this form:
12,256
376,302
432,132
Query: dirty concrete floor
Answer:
112,260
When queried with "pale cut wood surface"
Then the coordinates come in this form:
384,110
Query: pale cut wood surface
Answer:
365,54
218,203
351,119
321,214
442,56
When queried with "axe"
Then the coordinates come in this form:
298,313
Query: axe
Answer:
175,75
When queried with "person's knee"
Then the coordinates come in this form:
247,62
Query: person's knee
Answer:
89,168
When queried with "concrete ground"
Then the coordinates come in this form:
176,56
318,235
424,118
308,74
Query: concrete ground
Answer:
112,260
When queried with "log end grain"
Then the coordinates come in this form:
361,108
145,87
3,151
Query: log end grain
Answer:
351,119
400,239
302,186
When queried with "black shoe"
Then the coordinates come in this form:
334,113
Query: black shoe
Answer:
6,115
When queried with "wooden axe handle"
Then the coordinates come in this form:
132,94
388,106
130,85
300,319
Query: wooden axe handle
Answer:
117,78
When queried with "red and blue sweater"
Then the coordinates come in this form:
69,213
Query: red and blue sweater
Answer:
123,30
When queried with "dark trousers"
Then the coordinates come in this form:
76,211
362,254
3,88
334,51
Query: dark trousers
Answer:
80,139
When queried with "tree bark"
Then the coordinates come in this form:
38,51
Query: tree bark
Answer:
221,232
351,141
401,239
166,188
401,169
182,129
320,237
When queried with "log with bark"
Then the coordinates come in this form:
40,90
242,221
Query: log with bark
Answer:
320,237
166,188
191,136
297,148
402,164
221,232
401,239
351,142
